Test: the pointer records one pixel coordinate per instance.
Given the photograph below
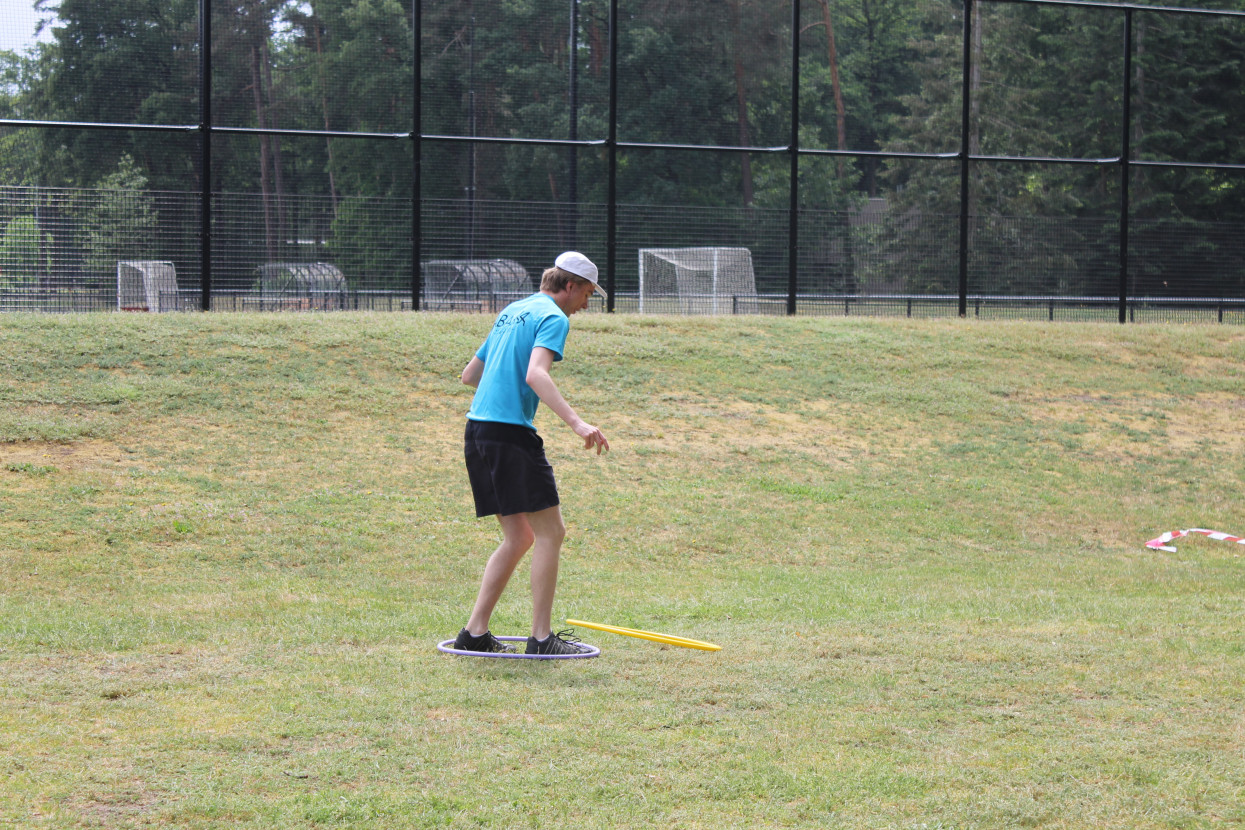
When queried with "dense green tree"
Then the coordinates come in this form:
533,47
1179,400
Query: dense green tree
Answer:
23,254
1040,86
875,75
1189,105
119,220
125,61
879,68
349,68
19,147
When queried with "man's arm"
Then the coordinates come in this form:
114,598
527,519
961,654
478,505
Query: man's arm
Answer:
473,371
542,384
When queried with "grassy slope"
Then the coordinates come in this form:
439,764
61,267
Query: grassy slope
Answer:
229,543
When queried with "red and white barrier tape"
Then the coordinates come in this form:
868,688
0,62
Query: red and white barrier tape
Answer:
1162,543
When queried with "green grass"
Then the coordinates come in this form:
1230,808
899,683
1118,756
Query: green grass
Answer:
228,545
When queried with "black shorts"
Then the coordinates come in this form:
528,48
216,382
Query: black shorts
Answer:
508,469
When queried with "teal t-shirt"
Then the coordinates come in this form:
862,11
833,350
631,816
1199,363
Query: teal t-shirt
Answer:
503,395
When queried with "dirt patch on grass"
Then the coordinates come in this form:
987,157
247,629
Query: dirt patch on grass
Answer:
1214,366
50,677
1215,420
719,429
78,455
1211,421
108,809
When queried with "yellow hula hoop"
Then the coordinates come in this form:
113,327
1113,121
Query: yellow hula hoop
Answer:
667,639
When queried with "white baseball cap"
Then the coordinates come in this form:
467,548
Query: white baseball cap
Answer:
576,263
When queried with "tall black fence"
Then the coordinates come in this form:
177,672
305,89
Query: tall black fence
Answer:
617,139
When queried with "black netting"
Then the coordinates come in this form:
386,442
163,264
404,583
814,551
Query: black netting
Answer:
498,69
1044,65
321,196
65,249
1187,98
313,66
704,73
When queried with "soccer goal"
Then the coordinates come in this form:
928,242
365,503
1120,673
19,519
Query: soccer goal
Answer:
145,285
695,280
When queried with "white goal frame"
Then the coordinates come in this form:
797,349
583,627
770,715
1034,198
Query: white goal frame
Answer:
713,260
141,285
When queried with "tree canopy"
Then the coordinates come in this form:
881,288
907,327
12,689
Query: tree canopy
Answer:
875,76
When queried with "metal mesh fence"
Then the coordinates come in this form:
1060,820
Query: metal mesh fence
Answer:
60,248
1203,128
1092,171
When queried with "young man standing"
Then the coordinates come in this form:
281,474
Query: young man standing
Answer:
510,476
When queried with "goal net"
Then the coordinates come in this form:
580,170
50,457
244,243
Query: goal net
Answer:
144,285
695,280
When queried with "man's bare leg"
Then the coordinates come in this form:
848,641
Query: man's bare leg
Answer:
517,538
549,530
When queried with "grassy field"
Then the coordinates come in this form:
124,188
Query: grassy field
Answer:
229,544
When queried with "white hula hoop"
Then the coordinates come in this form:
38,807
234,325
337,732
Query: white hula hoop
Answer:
447,647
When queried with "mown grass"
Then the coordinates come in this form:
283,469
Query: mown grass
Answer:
228,545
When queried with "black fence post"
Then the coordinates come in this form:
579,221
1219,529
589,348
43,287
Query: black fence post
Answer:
793,219
572,173
205,154
965,93
417,149
611,218
1125,153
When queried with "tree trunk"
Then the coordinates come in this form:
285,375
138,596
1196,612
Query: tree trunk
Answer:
840,112
278,178
741,102
875,86
265,180
324,106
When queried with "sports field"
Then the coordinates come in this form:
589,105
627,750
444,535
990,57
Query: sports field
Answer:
230,543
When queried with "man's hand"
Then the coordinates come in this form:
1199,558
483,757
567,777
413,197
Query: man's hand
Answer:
592,436
542,384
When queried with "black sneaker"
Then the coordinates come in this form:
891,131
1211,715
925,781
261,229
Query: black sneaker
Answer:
486,642
560,643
